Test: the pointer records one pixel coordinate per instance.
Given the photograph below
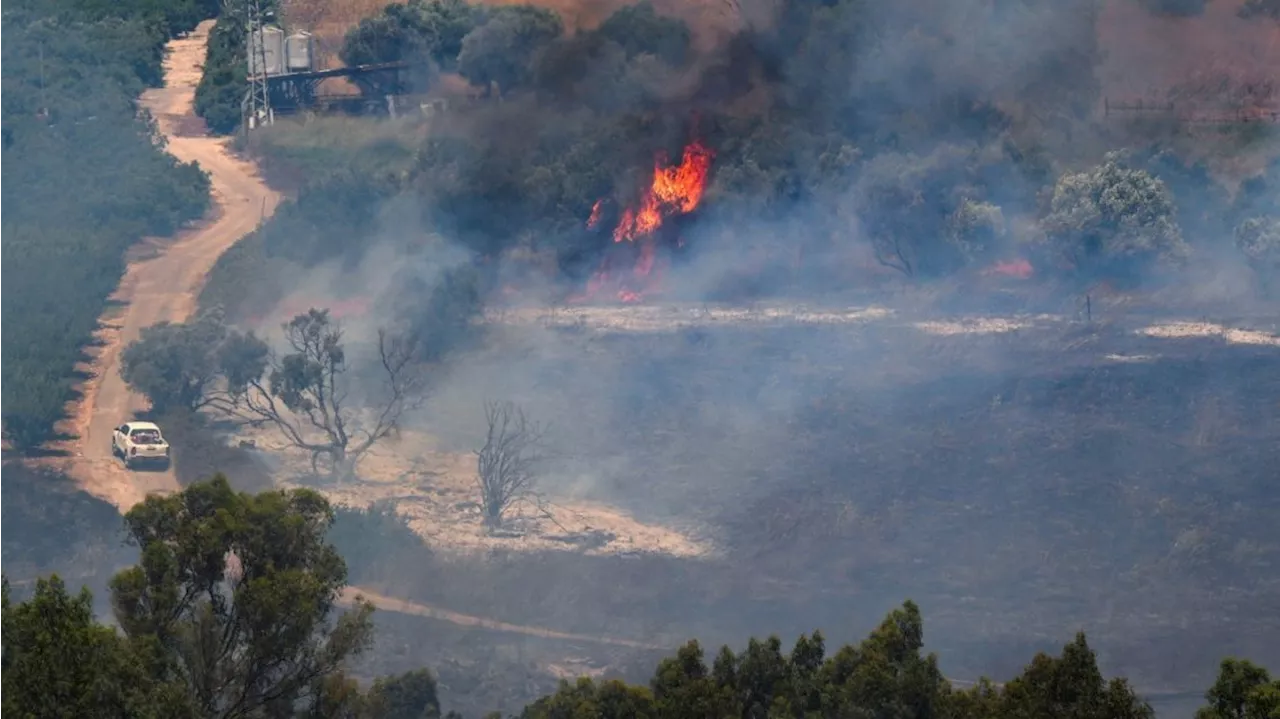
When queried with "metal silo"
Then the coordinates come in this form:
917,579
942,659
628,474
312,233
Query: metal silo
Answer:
299,52
267,46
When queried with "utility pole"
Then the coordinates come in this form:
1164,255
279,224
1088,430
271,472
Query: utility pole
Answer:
259,100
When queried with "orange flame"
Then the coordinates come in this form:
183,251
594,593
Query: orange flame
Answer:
675,190
595,214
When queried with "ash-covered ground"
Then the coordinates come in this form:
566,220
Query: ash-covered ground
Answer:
1021,477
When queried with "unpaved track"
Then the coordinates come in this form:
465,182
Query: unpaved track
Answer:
401,606
165,286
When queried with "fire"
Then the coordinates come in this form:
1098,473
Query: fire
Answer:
675,190
595,214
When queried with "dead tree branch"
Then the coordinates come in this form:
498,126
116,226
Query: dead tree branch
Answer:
506,466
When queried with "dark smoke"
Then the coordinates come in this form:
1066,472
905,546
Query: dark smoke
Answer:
1016,454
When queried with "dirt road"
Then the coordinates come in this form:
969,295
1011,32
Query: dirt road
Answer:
164,286
400,606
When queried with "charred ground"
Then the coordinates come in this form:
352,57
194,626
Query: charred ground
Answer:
1019,485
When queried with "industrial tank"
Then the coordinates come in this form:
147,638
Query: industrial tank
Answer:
268,46
299,52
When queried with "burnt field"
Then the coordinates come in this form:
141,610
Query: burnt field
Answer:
1021,480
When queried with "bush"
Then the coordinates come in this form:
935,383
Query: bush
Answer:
639,30
415,31
1258,239
222,88
374,541
1113,221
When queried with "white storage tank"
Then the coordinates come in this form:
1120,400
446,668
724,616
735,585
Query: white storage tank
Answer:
267,46
299,52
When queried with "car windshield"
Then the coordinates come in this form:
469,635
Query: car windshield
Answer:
145,436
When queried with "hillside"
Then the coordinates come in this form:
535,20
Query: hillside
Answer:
1152,56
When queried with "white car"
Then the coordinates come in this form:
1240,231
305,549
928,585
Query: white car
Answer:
139,442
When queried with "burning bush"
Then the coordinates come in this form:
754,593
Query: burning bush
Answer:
675,190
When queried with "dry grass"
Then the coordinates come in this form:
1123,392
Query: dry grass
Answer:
437,491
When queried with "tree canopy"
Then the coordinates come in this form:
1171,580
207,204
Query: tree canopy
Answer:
1113,219
416,30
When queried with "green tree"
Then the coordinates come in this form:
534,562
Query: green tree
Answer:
918,212
235,597
222,87
175,365
1258,239
1070,686
223,84
503,50
585,699
639,29
1243,690
414,31
976,228
1113,220
883,676
411,695
59,662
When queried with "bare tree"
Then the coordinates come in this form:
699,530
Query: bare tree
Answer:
305,393
506,466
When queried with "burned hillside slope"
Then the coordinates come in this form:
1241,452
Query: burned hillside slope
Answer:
1020,483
